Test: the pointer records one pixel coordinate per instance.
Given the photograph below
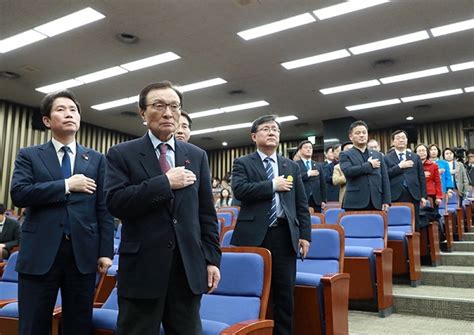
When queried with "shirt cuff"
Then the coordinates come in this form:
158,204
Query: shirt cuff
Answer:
66,187
274,186
308,172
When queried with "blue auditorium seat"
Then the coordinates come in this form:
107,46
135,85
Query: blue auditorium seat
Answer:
226,236
9,282
332,214
317,218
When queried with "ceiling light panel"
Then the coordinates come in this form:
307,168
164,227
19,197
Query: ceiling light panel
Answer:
373,104
452,28
350,87
346,7
201,84
69,22
229,109
415,75
59,86
469,89
326,57
462,66
116,103
103,74
150,61
432,95
390,42
20,40
277,26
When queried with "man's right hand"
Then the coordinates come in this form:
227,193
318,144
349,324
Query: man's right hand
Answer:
313,173
406,163
374,162
82,184
283,184
179,177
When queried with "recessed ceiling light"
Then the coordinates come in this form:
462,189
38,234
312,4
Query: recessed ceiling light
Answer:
201,84
346,7
410,118
229,109
453,28
415,75
432,95
350,87
150,61
390,42
69,22
20,40
469,89
373,104
225,144
59,86
103,74
326,57
277,26
462,66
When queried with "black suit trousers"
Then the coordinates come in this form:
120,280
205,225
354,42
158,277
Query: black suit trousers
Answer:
278,241
37,296
178,310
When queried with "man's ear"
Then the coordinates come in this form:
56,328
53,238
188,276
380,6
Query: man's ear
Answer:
253,136
142,114
46,121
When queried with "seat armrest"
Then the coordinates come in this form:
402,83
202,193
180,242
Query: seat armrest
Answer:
336,302
260,327
383,263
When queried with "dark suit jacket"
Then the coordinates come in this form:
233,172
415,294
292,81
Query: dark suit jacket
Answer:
10,235
38,184
316,186
332,191
414,176
255,191
364,183
156,218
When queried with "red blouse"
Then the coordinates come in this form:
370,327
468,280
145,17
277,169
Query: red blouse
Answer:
433,181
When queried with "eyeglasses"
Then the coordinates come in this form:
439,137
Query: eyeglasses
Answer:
267,130
161,106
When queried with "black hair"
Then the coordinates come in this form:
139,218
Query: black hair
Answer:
157,86
48,100
261,120
357,124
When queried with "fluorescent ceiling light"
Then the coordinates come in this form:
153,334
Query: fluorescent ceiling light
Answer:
415,75
103,74
69,22
316,59
20,40
462,66
150,61
469,89
373,104
229,109
59,86
239,125
116,103
330,140
453,28
277,26
432,95
350,87
201,84
390,42
346,7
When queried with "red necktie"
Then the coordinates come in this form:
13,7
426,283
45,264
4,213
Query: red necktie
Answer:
165,166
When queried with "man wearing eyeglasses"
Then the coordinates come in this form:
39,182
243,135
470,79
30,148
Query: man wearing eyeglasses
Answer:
273,213
161,190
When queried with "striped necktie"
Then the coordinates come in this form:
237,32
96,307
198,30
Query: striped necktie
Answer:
272,217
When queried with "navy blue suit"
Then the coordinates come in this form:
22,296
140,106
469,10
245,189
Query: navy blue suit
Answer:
38,184
332,191
366,187
315,186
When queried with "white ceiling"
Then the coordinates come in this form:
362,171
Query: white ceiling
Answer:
204,34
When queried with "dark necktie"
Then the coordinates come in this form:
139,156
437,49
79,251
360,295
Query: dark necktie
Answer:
401,157
165,166
66,168
272,217
308,166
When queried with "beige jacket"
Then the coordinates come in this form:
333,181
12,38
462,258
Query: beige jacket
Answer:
338,178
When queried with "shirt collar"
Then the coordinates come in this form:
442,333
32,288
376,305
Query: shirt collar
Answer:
400,152
58,145
263,156
156,142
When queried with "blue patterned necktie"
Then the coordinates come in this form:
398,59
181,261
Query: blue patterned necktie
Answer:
66,168
272,217
308,166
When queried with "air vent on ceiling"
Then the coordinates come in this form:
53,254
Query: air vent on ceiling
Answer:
129,114
422,107
127,38
382,63
9,75
236,92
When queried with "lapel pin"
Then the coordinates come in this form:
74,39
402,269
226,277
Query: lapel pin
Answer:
290,178
85,157
187,162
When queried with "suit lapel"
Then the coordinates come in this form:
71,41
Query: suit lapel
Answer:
82,159
148,157
258,164
48,155
356,155
181,159
284,170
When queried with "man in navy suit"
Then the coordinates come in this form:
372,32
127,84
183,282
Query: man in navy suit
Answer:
313,177
169,253
405,170
273,213
367,186
68,233
9,233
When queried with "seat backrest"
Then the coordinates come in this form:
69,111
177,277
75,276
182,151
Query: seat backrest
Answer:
331,215
244,288
9,272
401,217
235,211
118,234
317,218
112,301
365,229
326,251
226,236
227,216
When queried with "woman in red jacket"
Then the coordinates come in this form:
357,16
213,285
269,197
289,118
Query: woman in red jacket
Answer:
433,181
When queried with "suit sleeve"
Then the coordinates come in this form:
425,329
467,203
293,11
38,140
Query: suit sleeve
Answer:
465,180
421,178
392,169
322,183
352,171
338,177
437,181
125,200
25,192
105,220
247,190
386,191
302,211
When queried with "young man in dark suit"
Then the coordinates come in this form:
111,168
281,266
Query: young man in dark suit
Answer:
9,233
367,186
273,213
161,190
405,170
67,234
313,177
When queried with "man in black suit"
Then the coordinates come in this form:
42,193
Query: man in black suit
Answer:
67,234
313,177
9,233
273,213
367,186
405,170
161,190
332,157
